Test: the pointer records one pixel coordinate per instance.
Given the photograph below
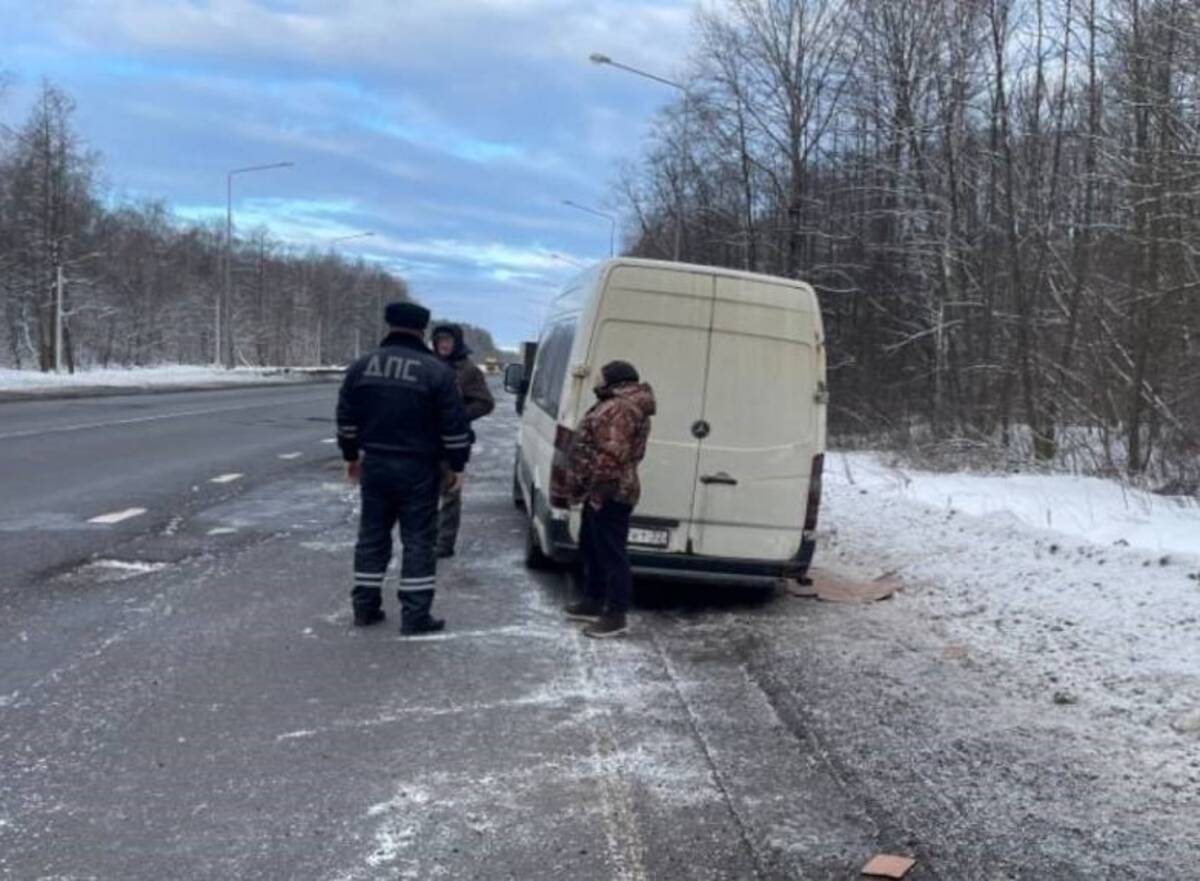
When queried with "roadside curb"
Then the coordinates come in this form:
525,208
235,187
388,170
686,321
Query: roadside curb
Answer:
112,391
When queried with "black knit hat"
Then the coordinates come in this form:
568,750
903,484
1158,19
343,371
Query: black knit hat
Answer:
617,372
407,315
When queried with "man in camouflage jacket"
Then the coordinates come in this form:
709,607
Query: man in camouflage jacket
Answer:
609,445
449,345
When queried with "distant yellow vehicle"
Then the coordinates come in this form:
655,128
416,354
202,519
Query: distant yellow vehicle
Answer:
491,364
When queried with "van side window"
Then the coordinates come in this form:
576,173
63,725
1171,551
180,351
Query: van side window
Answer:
551,369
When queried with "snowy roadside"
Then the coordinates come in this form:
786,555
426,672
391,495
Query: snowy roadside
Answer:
1080,593
35,384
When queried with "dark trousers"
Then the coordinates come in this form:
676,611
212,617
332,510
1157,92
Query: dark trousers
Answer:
404,490
603,546
449,520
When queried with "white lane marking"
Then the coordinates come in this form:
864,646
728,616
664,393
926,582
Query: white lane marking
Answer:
139,419
222,530
226,478
135,567
294,735
118,516
290,455
329,440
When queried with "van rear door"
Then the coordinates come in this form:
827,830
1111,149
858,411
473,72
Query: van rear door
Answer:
760,422
659,319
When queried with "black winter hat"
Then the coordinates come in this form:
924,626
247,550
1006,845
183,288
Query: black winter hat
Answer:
407,315
617,372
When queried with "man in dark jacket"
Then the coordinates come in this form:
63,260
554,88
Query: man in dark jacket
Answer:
609,445
400,410
478,402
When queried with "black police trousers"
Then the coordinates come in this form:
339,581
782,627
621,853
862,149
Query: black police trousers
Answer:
405,490
603,547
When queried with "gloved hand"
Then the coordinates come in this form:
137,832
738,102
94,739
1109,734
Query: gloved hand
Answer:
604,491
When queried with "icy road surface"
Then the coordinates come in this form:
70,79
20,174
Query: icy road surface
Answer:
184,697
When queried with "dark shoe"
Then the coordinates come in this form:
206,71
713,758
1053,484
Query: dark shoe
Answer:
366,619
606,627
429,625
445,553
585,610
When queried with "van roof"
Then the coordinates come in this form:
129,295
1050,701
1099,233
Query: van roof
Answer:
603,267
705,269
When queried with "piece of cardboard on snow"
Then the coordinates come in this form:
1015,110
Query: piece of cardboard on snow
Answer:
834,588
888,866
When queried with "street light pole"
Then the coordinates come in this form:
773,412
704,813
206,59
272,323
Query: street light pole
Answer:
567,260
221,353
612,222
58,320
357,235
598,58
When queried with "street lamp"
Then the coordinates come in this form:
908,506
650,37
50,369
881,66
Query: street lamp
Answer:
228,294
612,221
59,305
598,58
357,235
566,260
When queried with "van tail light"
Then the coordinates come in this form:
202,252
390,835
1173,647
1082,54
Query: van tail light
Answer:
814,495
560,477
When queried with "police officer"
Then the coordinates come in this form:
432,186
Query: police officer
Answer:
400,410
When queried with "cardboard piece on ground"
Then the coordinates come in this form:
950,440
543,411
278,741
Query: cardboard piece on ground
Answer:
888,866
837,589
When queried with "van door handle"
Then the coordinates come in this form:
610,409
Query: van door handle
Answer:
720,477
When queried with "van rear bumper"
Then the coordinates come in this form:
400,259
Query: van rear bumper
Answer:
691,567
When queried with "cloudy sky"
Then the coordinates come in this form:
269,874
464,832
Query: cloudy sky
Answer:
452,129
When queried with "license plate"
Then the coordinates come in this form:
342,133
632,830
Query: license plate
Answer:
649,538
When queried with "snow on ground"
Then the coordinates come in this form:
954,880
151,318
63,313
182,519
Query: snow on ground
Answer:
1081,591
1089,508
138,377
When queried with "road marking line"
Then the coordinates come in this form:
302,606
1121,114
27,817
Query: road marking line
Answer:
118,516
329,440
222,530
134,421
293,735
226,478
290,455
136,567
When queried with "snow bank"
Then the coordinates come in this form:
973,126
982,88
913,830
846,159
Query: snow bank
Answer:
1087,508
139,377
1071,587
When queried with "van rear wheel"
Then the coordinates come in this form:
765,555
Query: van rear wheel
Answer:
535,557
518,496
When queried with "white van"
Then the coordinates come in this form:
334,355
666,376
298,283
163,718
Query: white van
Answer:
731,482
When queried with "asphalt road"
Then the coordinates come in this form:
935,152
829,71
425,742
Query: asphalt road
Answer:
64,462
182,696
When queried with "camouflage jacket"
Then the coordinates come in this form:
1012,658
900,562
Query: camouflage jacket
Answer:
472,385
610,444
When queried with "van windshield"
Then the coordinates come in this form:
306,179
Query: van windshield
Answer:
551,367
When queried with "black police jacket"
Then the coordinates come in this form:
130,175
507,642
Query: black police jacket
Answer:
402,400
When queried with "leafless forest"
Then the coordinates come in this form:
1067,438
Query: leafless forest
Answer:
140,287
999,201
